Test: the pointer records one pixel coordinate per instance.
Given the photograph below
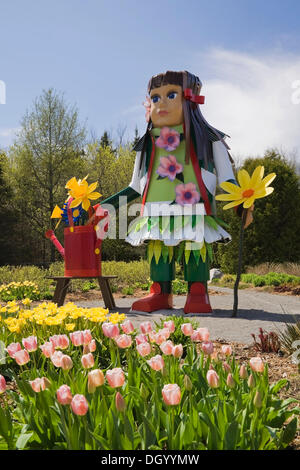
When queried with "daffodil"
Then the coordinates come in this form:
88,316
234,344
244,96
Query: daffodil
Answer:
249,189
82,192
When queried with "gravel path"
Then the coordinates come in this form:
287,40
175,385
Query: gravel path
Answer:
256,309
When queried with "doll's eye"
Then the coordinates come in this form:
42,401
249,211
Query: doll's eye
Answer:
172,95
155,98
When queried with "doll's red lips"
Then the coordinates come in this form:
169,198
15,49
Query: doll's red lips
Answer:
163,113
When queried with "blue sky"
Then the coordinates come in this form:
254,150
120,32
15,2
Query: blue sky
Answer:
102,53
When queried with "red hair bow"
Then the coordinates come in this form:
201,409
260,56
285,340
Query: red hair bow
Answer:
189,95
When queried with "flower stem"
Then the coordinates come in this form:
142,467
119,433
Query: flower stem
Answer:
238,274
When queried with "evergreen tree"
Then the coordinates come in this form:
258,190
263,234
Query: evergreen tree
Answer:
136,136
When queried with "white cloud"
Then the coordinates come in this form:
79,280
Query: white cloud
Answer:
250,97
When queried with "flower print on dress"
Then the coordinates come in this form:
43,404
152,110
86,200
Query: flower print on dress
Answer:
187,194
169,167
169,139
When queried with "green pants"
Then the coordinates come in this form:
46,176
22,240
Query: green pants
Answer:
195,270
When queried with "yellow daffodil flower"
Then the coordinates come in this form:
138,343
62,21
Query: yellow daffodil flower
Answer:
251,188
82,193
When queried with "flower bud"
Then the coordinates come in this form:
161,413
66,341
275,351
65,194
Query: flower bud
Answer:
187,383
243,372
257,400
66,362
230,381
120,402
213,379
226,367
251,381
95,379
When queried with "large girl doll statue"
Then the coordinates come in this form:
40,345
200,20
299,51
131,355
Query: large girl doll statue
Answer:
179,160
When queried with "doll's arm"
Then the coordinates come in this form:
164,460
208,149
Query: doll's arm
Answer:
222,163
133,191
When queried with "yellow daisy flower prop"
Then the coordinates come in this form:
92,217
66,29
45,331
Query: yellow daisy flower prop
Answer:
249,189
82,192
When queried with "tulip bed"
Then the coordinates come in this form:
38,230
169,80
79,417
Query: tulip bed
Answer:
105,385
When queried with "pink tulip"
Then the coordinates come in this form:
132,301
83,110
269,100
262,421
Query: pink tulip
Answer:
87,360
243,372
146,327
156,362
230,381
110,330
30,343
21,357
79,405
226,367
66,362
123,341
12,348
162,335
212,379
92,346
120,402
87,336
48,348
171,394
195,336
203,333
64,395
39,384
60,341
141,339
170,325
144,349
127,327
95,379
56,358
152,336
115,377
167,347
77,338
187,329
2,384
177,350
226,349
256,364
208,347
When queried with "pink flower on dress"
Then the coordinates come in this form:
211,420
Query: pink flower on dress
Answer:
169,167
168,139
187,194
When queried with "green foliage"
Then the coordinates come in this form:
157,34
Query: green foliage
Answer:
19,291
273,236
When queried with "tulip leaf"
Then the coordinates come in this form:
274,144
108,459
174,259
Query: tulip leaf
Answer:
22,440
288,434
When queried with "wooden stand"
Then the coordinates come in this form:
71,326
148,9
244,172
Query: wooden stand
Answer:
62,283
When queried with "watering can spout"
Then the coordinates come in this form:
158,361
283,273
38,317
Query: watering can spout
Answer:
51,236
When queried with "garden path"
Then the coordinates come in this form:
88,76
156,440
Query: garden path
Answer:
256,310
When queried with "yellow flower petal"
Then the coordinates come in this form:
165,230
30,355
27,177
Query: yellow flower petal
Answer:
243,179
249,202
231,188
233,204
267,180
75,202
92,187
228,197
257,176
94,195
85,204
263,192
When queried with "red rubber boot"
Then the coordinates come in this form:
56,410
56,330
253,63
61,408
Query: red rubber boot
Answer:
197,300
156,300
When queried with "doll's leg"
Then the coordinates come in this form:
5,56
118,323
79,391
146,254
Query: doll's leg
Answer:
162,274
197,275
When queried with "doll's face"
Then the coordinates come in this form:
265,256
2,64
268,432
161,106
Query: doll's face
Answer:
166,106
